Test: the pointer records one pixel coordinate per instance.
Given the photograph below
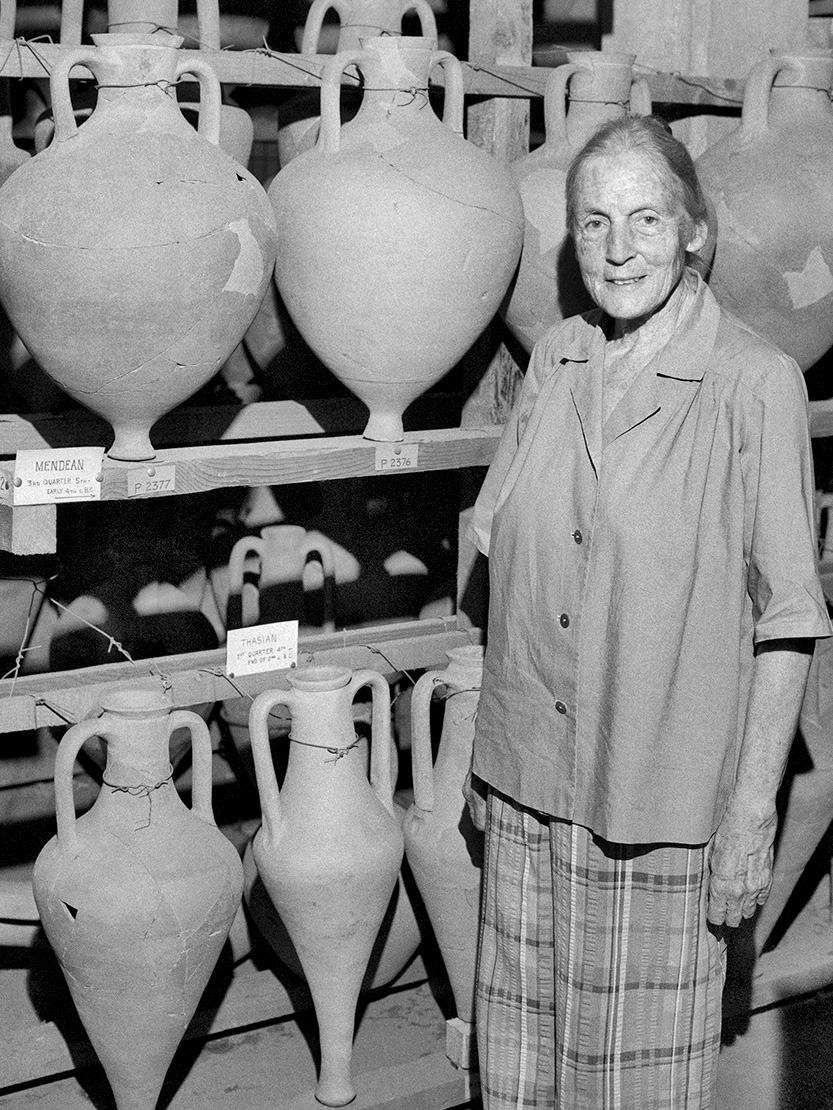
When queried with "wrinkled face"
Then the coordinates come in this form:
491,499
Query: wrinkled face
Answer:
631,235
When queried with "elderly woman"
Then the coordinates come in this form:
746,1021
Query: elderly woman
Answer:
653,605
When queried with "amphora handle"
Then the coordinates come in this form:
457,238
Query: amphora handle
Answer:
208,127
344,9
248,545
422,763
380,743
201,760
267,782
754,117
640,100
62,110
453,103
555,105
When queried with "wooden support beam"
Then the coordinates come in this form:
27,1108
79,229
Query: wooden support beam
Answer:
29,529
481,77
222,423
63,697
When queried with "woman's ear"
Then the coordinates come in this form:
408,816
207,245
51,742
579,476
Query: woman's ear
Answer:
698,237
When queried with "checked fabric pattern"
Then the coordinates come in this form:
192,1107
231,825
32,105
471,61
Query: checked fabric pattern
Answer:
599,981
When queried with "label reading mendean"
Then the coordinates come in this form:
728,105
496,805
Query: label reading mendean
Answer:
55,477
262,647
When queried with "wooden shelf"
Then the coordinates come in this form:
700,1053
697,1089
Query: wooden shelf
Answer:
269,68
63,697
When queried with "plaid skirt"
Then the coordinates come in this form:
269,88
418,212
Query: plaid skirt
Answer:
599,981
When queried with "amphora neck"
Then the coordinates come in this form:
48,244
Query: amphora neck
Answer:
136,730
801,86
367,19
125,64
600,91
396,72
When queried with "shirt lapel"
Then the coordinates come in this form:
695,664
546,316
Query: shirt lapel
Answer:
586,389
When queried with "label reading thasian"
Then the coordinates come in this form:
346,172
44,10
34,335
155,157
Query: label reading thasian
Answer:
147,480
53,477
393,457
262,647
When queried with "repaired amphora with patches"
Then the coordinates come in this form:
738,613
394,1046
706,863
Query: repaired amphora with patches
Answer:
137,896
548,286
300,119
442,845
398,237
771,181
330,847
134,253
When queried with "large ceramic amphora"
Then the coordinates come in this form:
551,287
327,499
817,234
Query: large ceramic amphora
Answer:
137,896
771,181
330,848
442,845
134,253
398,238
548,286
282,551
358,20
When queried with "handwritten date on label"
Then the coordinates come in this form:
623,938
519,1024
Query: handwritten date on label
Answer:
262,647
393,457
146,480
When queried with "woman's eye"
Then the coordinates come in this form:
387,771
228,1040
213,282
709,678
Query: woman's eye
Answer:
647,221
593,225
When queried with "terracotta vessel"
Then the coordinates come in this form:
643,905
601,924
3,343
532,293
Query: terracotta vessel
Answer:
442,845
134,252
359,20
420,270
282,551
809,804
548,286
770,181
138,895
330,848
395,945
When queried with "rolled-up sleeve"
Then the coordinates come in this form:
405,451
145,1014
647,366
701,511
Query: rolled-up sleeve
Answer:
787,599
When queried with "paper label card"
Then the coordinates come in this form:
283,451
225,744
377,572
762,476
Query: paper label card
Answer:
147,480
51,477
394,457
262,647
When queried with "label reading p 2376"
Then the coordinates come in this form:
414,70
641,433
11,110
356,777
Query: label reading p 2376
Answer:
396,457
147,480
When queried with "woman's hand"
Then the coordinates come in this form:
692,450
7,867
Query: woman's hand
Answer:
741,866
474,791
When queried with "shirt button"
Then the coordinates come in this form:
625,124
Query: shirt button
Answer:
577,536
564,620
561,707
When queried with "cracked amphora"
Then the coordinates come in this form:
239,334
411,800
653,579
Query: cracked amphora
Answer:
137,896
134,253
398,237
770,182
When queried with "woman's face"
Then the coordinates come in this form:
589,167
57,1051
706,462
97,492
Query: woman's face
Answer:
631,235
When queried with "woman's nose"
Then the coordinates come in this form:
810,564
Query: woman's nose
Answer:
619,245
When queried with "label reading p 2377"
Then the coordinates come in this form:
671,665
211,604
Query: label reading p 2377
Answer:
396,457
147,480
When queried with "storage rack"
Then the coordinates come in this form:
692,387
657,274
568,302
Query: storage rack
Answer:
286,442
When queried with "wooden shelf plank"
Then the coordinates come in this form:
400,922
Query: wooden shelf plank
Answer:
221,423
58,697
262,67
199,468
